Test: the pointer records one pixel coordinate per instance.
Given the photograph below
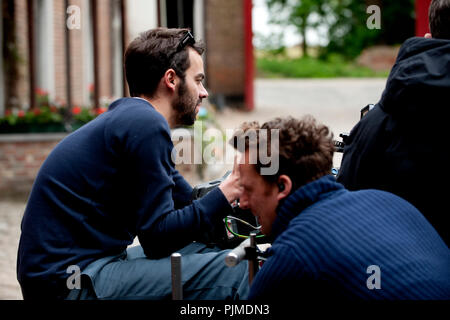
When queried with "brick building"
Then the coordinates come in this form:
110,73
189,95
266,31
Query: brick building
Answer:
73,49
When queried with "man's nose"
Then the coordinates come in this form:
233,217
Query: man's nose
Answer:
203,93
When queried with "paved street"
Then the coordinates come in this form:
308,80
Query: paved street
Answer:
334,102
10,216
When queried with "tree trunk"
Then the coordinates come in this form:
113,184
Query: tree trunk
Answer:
303,32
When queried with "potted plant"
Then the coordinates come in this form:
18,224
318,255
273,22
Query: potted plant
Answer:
82,115
41,119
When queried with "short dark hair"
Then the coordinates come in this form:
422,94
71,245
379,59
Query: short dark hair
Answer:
305,150
151,54
439,17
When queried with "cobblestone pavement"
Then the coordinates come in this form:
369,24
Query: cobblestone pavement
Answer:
334,102
10,216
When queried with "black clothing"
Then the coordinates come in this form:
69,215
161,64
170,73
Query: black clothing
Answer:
401,145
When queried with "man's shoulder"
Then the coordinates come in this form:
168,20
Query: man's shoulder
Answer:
134,107
350,211
135,114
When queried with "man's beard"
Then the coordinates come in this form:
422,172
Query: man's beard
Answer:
184,106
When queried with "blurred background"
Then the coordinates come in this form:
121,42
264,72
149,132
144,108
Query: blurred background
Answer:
61,67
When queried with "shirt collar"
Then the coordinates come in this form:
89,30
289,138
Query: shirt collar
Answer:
301,199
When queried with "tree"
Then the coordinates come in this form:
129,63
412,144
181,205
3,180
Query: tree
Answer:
345,20
349,35
298,13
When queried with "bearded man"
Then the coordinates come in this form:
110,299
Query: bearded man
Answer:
114,179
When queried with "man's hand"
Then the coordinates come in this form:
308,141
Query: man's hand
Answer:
231,187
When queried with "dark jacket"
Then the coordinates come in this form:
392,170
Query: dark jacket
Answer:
104,184
328,242
402,145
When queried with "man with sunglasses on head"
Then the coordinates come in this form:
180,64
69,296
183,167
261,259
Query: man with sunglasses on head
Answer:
114,179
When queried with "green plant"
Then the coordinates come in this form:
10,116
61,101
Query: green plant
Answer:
43,115
83,115
42,98
41,119
47,116
334,66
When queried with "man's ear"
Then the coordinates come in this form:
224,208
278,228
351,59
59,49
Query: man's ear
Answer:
284,186
428,36
170,79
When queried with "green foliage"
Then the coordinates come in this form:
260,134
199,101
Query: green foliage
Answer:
46,117
83,115
271,44
334,66
297,13
41,119
346,22
398,21
43,115
349,35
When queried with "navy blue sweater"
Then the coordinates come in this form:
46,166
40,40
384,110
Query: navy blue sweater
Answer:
104,184
327,237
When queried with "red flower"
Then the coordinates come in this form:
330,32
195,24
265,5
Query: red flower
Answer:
8,112
100,110
36,112
41,92
53,109
76,110
21,114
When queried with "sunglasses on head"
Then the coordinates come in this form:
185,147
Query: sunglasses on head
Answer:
188,39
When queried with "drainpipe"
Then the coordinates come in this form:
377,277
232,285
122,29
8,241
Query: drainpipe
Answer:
249,58
123,18
68,60
31,53
95,46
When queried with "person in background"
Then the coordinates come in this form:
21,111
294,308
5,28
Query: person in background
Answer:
400,145
330,243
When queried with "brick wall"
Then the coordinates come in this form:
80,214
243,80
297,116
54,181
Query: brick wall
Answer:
78,51
21,156
225,47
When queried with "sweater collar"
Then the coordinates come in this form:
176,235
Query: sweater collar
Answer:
302,198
